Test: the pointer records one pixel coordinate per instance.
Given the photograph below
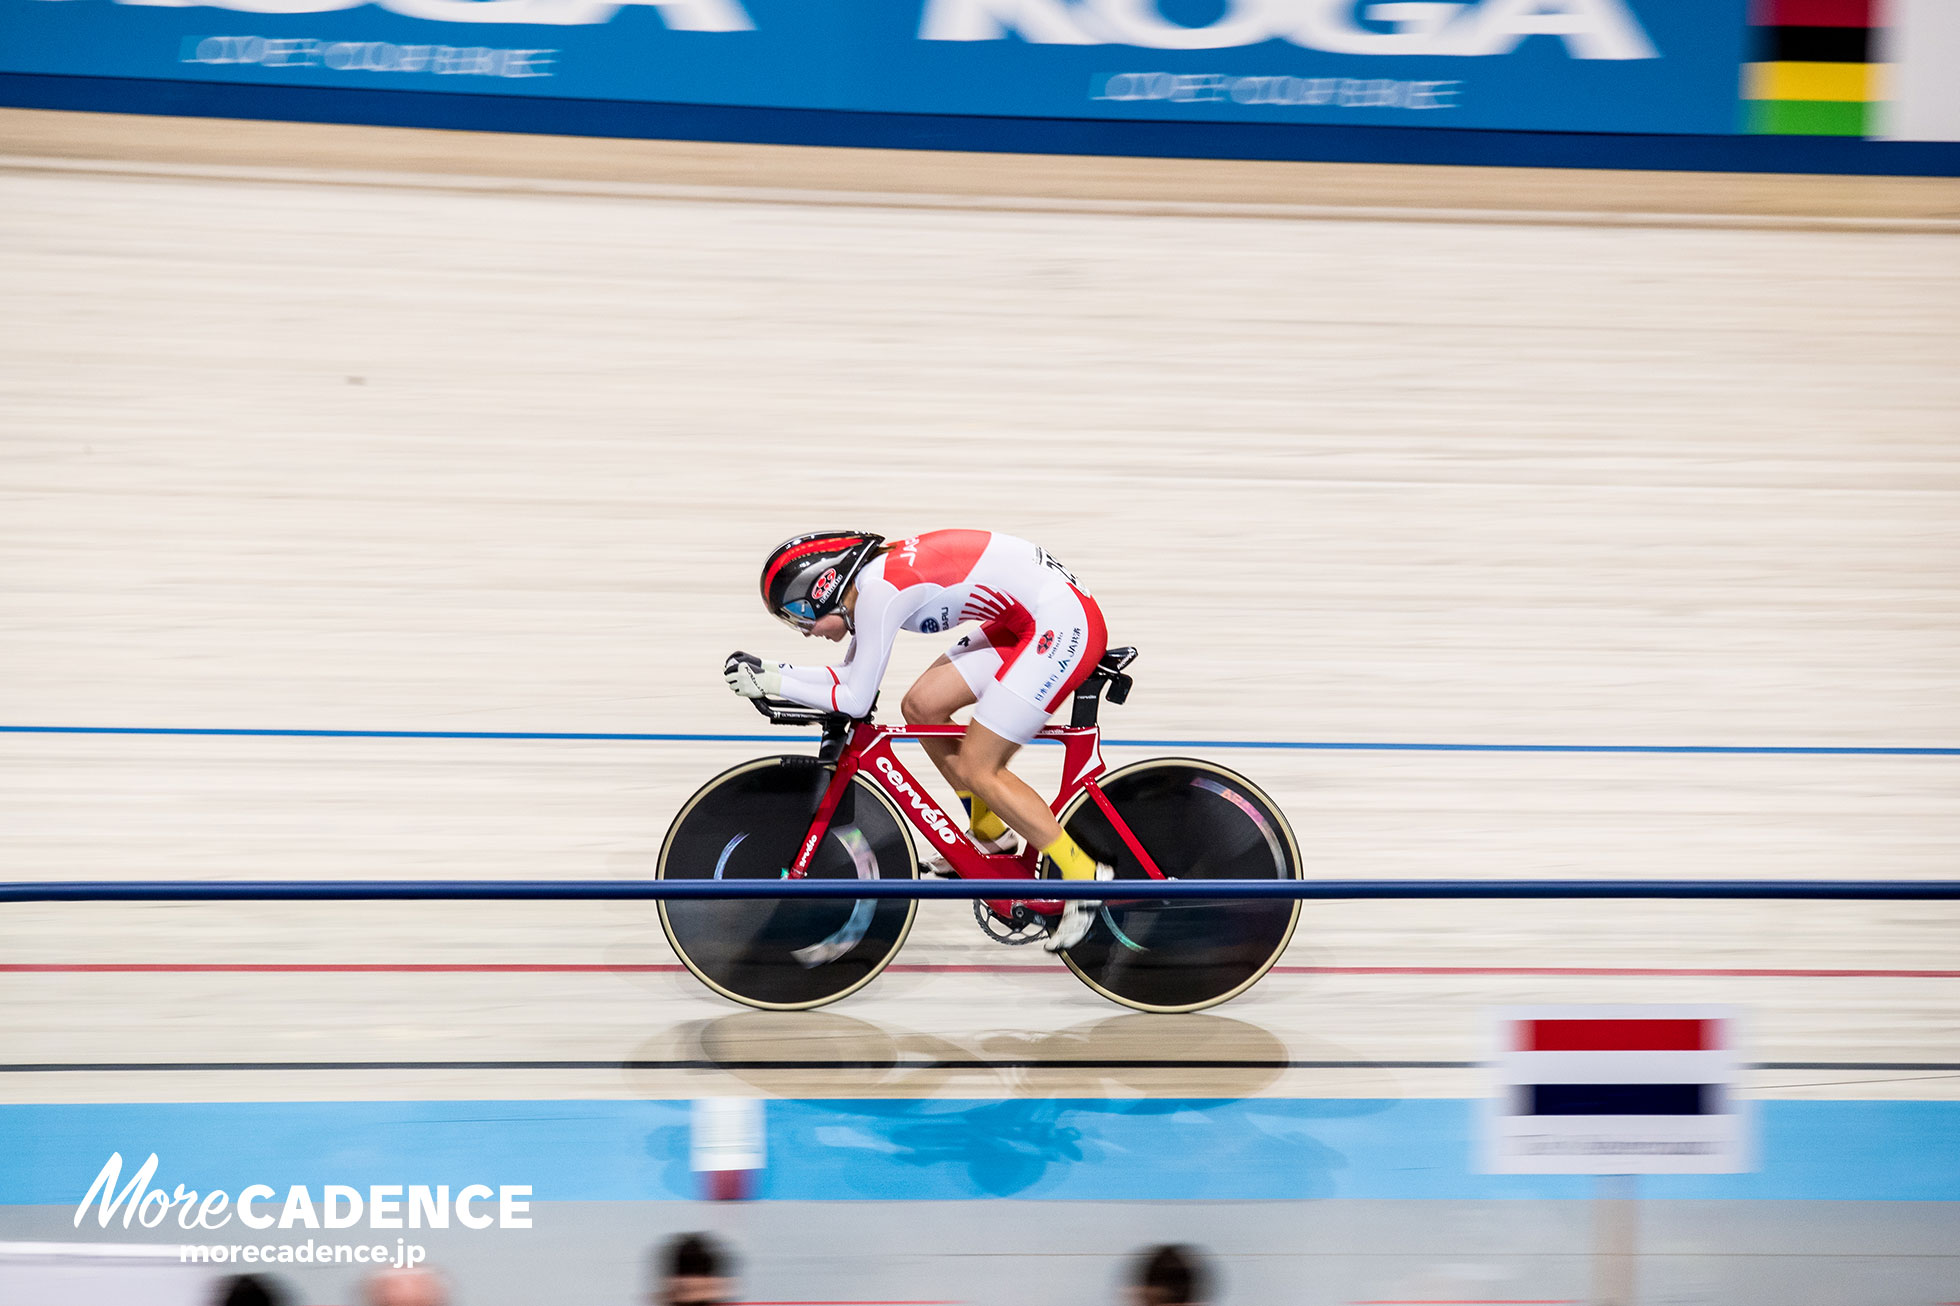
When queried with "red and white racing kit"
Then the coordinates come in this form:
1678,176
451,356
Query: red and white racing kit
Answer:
1040,634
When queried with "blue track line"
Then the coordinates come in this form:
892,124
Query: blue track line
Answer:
778,736
259,733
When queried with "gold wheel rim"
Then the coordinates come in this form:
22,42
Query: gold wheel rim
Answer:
666,927
1293,853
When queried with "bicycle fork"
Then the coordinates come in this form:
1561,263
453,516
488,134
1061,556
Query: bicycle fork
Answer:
840,783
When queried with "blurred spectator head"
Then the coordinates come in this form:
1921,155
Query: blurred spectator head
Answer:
694,1270
407,1288
1171,1275
250,1290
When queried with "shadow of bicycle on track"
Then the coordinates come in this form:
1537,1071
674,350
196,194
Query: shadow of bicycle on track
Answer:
1011,1112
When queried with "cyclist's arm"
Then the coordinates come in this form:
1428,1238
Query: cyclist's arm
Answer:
850,686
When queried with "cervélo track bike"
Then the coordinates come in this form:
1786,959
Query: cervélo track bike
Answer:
844,813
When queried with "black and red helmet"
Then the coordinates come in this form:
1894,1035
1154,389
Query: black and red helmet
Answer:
806,575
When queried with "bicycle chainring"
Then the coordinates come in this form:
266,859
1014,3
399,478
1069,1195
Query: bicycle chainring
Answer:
1025,927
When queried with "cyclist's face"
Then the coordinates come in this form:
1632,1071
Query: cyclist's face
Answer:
832,627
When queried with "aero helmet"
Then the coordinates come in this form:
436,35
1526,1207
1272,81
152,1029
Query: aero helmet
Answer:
806,576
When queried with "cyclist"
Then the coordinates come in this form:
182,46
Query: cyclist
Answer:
1040,636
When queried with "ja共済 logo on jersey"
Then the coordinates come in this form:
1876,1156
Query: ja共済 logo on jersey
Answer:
825,586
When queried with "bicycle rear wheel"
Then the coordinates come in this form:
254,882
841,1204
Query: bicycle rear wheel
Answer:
1198,822
785,954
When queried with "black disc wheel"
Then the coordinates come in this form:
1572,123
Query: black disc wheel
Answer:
1197,822
785,954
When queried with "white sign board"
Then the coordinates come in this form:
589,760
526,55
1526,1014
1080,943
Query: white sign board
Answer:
727,1134
1918,46
1615,1090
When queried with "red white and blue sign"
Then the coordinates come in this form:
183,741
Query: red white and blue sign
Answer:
1616,1090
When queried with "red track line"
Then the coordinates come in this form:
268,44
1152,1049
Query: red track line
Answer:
1756,972
330,967
901,968
324,967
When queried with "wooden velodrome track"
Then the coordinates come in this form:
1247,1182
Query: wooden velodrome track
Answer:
355,429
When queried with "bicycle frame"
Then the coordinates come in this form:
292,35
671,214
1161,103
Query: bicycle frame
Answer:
867,749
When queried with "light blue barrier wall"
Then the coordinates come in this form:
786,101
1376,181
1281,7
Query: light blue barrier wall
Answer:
1056,1149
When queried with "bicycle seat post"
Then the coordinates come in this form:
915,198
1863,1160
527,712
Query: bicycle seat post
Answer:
836,735
1107,676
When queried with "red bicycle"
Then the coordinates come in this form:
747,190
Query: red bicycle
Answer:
843,813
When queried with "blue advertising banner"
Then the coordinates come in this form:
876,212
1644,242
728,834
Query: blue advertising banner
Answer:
1639,66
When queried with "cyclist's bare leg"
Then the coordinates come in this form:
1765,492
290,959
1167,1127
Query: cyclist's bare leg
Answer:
983,759
938,693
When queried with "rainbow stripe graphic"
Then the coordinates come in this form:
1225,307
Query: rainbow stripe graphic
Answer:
1816,73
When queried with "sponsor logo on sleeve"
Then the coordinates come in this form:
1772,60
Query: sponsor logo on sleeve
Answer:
1046,643
929,626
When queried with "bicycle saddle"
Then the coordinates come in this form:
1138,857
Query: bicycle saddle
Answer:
1114,661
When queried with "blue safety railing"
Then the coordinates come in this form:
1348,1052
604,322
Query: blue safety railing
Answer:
1131,890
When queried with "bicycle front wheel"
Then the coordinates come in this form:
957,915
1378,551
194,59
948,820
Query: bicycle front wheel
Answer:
1197,821
785,954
